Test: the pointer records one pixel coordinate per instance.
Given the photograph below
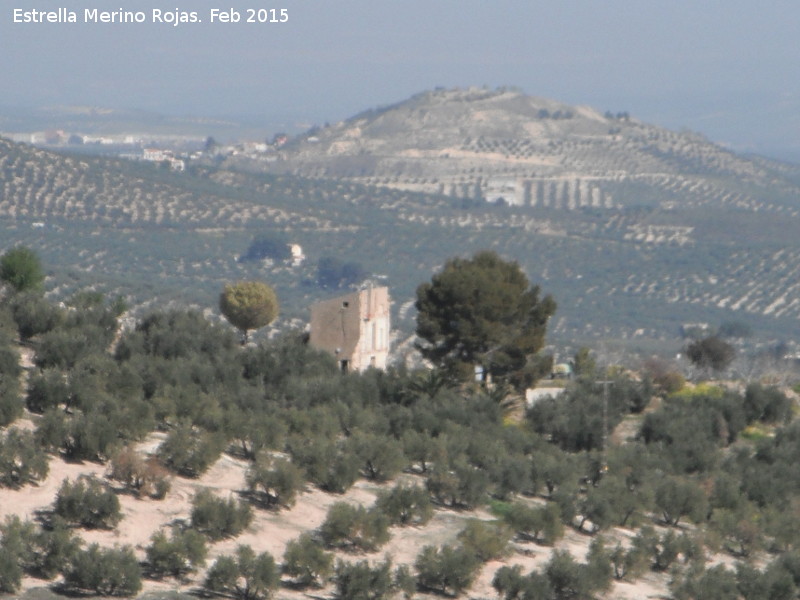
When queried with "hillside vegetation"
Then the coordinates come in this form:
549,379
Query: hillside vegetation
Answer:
167,456
643,229
464,142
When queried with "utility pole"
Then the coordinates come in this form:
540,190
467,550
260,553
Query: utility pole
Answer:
604,457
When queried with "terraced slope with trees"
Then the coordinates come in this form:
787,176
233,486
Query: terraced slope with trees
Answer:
642,229
169,459
466,142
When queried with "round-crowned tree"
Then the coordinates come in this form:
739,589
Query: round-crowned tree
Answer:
20,268
483,313
248,305
711,352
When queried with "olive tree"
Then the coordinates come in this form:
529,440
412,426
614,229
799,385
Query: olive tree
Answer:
246,575
21,269
446,570
219,518
406,505
348,526
362,581
183,552
89,503
10,370
678,497
711,352
22,461
274,481
306,561
106,572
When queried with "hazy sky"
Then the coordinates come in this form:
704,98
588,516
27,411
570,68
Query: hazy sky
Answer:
728,69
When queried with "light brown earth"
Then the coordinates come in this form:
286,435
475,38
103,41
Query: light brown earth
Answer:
271,531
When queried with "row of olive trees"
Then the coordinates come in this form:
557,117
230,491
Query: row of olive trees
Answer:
190,378
475,468
26,548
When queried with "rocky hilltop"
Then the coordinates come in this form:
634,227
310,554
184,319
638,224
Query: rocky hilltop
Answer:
529,151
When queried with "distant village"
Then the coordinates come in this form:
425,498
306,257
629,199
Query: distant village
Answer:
175,150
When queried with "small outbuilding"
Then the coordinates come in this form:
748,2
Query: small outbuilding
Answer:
561,371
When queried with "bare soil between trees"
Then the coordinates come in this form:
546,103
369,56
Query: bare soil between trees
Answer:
271,530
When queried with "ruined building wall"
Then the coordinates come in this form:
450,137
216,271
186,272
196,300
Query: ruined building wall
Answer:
354,328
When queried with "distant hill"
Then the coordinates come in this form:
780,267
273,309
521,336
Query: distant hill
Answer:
634,229
488,144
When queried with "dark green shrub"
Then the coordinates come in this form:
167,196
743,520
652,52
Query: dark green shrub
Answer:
342,472
540,524
246,575
711,353
64,347
381,457
598,570
567,578
766,404
87,502
53,548
716,583
94,435
464,486
740,529
422,449
689,431
510,474
10,571
406,505
362,581
273,245
189,451
21,269
11,406
575,421
306,561
38,551
659,552
106,572
335,274
274,482
22,461
254,432
562,578
47,389
446,570
487,541
678,497
354,527
178,334
629,563
329,465
218,518
404,581
511,584
183,552
776,582
34,315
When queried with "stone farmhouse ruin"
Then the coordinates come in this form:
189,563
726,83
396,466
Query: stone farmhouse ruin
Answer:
354,328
